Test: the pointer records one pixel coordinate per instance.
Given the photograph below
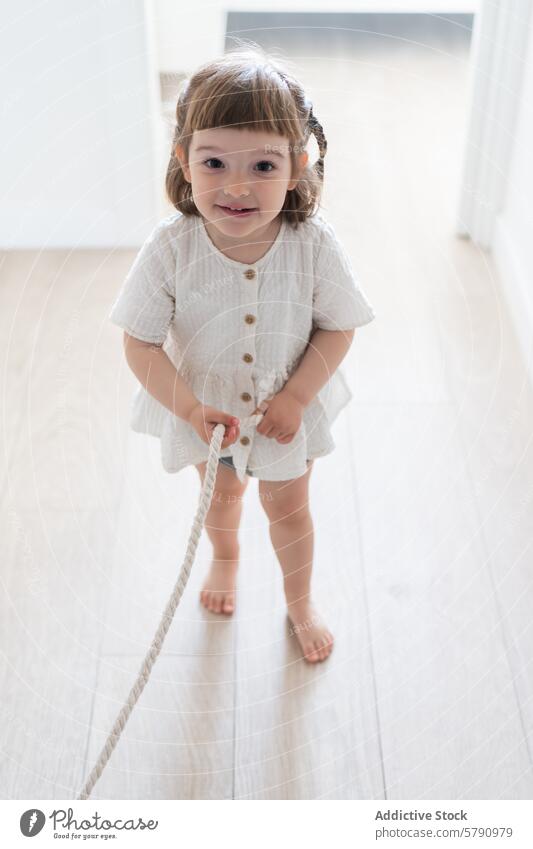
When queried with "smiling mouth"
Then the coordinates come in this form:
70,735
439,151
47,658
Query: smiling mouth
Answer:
237,213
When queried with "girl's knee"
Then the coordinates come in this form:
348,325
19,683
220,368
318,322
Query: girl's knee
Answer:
226,500
284,506
288,514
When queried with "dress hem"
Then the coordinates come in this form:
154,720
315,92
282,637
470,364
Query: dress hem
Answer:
275,478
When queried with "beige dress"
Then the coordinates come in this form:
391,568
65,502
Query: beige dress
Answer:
236,332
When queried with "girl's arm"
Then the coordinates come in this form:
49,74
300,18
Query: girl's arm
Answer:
154,370
324,353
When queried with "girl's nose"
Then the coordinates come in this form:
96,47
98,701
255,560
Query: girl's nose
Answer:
237,188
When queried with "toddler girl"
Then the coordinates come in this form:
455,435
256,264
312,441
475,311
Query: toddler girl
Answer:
239,309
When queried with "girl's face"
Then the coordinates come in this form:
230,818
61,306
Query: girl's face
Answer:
231,168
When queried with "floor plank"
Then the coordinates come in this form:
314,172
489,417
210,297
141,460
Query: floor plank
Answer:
450,718
178,742
51,602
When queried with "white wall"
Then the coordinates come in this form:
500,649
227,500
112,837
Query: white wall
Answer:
517,215
512,243
77,101
188,34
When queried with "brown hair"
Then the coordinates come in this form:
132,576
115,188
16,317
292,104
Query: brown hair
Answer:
248,89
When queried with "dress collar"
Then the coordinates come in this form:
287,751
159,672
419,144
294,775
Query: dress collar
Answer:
234,263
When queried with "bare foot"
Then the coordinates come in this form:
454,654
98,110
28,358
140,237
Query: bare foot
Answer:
218,591
316,641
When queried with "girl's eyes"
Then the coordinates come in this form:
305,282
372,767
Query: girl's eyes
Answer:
218,161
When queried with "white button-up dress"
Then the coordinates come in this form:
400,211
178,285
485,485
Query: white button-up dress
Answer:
236,332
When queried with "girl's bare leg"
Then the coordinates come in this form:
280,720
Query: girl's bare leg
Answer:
222,526
286,504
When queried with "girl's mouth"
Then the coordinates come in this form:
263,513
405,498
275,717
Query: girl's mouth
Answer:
238,213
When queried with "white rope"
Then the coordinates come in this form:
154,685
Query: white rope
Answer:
206,496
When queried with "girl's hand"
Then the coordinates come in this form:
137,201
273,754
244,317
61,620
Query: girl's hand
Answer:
204,420
282,418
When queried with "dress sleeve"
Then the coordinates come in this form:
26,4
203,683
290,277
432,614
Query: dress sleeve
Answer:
339,303
146,303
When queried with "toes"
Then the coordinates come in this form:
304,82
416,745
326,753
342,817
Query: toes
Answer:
319,647
311,653
217,602
209,600
327,646
319,651
228,604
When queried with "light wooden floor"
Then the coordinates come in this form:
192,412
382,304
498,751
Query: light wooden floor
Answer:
423,567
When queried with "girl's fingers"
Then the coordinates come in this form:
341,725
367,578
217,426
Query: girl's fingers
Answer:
232,434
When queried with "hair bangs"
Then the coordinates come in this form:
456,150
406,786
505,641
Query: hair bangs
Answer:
250,103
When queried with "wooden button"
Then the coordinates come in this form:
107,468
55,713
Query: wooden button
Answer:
247,358
249,318
245,396
250,273
245,440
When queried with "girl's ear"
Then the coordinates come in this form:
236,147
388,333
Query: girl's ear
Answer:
180,154
302,161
